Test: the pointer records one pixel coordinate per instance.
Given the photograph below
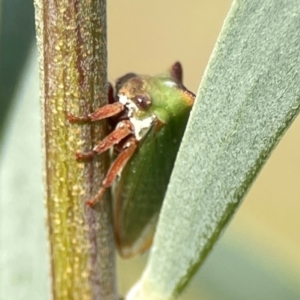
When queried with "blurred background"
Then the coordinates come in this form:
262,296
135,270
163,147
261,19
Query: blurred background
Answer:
258,255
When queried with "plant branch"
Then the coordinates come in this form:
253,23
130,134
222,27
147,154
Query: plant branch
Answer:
72,47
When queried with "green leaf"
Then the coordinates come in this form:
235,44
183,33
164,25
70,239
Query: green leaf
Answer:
23,237
248,97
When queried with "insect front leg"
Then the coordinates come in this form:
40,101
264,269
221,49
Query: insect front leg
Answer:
123,129
101,113
115,169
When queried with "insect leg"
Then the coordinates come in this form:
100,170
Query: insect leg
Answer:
124,129
101,113
115,169
110,94
106,111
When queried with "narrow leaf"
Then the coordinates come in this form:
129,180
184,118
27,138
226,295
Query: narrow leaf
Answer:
248,97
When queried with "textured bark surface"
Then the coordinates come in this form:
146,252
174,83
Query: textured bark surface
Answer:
72,47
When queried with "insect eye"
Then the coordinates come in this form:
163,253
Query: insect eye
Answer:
143,101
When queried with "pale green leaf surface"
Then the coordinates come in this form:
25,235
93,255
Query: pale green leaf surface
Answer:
23,237
248,97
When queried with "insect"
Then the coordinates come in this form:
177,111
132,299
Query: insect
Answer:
149,115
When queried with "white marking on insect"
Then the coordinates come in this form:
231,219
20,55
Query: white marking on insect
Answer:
141,126
123,99
127,145
170,83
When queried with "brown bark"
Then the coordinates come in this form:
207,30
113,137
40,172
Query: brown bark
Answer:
72,48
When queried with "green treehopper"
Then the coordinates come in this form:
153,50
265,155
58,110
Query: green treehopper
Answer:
148,116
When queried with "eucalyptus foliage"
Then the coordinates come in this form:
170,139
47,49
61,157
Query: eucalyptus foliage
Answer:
249,95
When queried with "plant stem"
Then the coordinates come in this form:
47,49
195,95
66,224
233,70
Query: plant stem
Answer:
72,47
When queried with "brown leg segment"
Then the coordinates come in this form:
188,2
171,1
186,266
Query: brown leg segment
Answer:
73,119
106,111
115,169
110,94
123,130
101,113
